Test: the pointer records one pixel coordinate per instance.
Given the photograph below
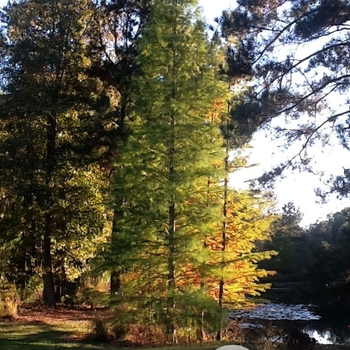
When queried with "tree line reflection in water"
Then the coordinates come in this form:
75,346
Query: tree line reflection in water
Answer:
277,322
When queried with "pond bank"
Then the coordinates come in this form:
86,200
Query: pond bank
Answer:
276,320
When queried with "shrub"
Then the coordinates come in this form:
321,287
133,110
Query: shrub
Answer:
119,331
8,299
92,297
31,291
100,331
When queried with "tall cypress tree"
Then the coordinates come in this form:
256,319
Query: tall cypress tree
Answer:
167,161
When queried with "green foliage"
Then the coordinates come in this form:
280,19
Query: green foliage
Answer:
294,260
314,262
31,292
154,102
53,216
200,312
162,172
331,238
92,297
237,249
100,330
168,180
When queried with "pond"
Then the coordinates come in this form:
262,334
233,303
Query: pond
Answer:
325,329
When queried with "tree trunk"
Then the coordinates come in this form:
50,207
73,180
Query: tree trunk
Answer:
171,274
172,227
223,238
115,282
171,241
48,280
49,286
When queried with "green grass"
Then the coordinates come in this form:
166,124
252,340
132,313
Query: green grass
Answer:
72,335
41,336
68,335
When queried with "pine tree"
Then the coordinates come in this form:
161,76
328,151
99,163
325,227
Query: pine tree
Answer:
48,106
296,53
119,26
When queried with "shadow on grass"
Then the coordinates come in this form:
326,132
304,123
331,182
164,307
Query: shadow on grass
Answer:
41,336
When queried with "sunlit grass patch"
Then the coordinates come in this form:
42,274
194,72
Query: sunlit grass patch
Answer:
42,336
64,335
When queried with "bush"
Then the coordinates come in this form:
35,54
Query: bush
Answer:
91,297
105,330
31,290
119,331
8,299
100,330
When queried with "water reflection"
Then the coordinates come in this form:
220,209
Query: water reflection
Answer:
274,311
324,328
321,337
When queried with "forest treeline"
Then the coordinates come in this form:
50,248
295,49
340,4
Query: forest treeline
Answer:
115,161
118,122
313,262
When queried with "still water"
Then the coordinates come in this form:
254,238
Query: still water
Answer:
324,328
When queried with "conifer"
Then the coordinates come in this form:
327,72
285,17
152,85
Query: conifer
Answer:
50,180
168,159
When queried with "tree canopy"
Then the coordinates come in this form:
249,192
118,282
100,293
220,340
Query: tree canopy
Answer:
296,51
115,148
169,176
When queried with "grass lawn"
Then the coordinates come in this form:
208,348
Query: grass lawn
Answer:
61,335
42,336
72,335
